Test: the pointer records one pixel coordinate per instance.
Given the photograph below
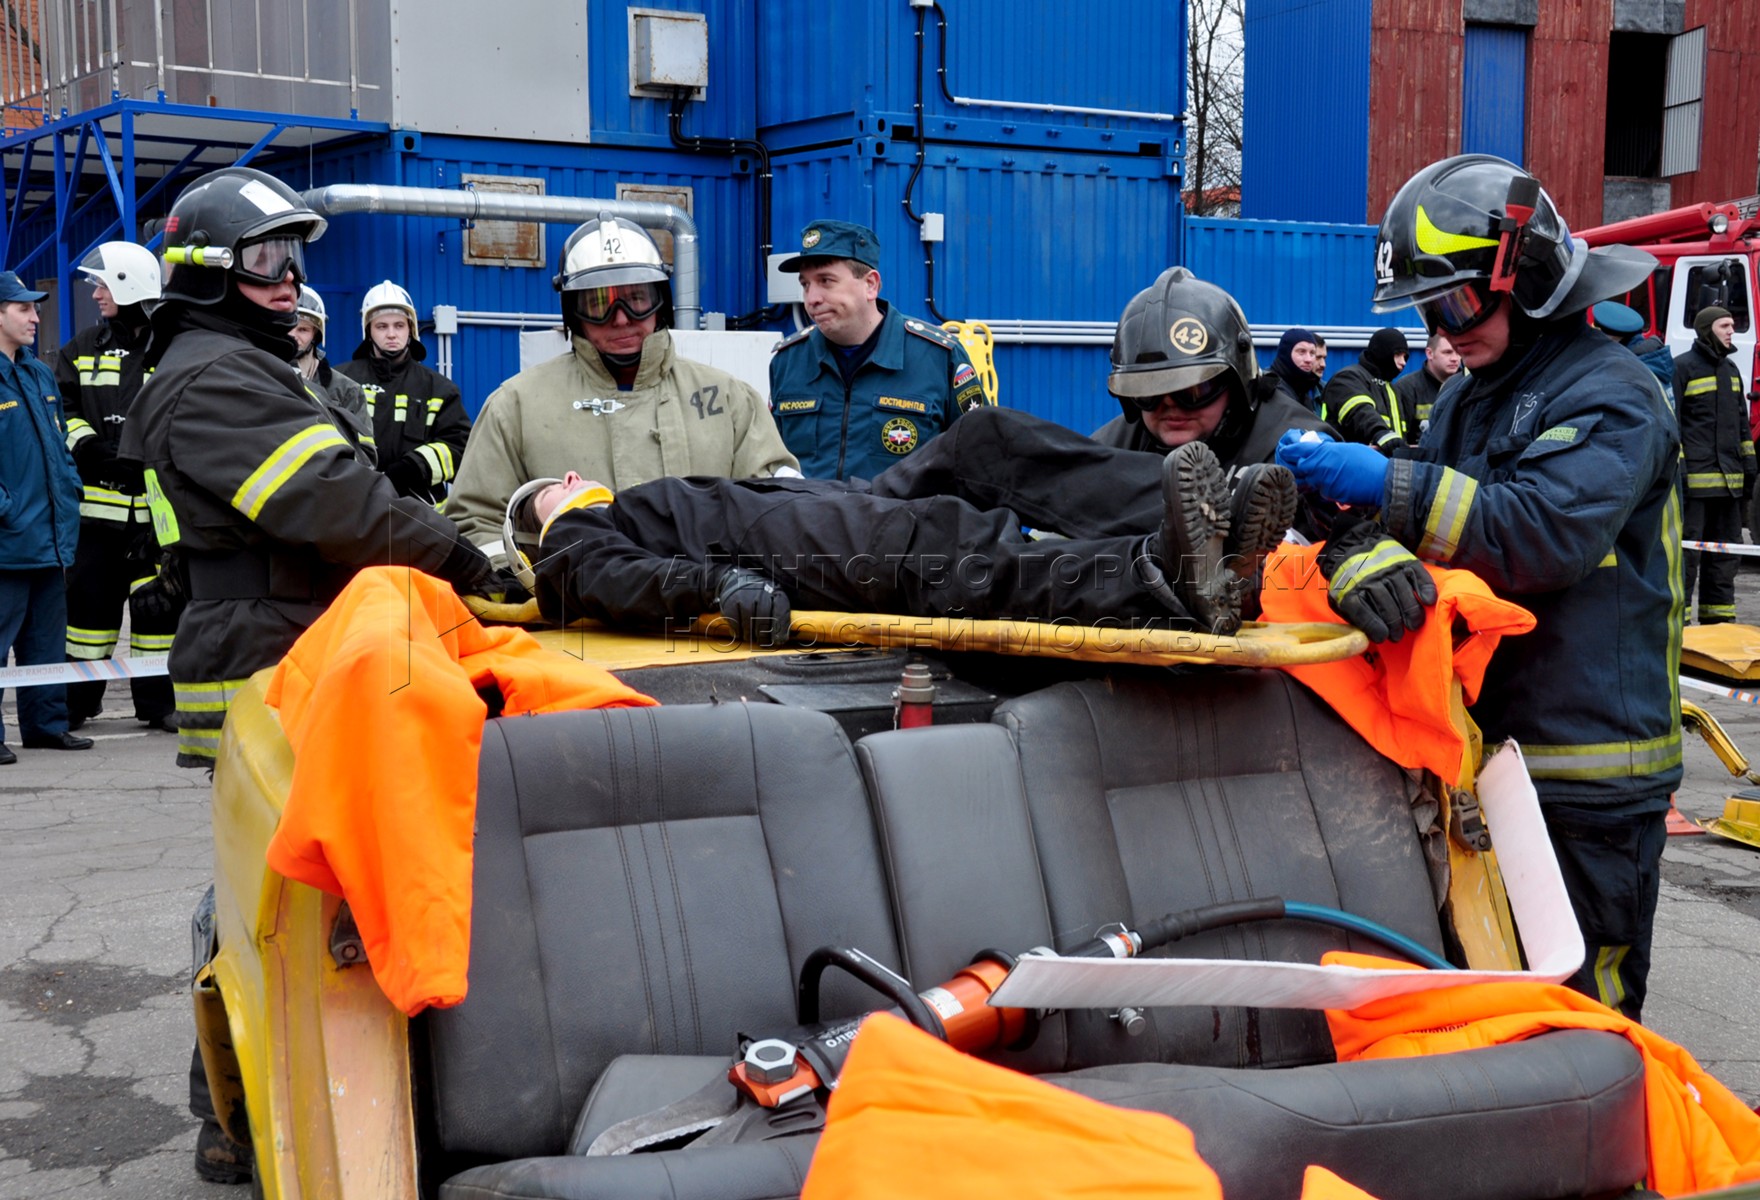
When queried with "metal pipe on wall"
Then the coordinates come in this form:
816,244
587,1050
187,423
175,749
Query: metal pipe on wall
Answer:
470,205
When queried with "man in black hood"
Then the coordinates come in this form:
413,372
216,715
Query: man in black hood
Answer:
1718,458
419,423
1296,367
1359,400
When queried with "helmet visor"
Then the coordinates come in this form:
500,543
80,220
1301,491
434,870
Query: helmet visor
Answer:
269,260
1190,399
638,300
1463,308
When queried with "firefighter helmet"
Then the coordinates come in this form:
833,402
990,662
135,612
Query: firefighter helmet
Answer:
1175,334
219,218
311,308
129,272
522,533
388,295
1477,222
612,262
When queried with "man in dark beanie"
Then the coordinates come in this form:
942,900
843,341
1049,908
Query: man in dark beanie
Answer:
1297,367
1359,402
1718,458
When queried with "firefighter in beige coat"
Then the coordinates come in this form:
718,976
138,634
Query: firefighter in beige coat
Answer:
622,407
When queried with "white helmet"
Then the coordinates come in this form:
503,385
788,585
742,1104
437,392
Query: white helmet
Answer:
130,272
388,295
311,308
611,252
521,540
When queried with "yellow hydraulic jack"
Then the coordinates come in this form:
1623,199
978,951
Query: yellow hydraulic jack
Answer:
1741,812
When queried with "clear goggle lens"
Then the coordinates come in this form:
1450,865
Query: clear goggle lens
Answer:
269,260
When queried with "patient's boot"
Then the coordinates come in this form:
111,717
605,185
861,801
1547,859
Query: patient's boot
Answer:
1261,511
1192,541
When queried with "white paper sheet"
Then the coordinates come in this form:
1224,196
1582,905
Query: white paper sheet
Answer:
1537,900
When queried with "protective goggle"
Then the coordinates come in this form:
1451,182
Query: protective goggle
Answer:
1457,311
269,260
1191,399
638,300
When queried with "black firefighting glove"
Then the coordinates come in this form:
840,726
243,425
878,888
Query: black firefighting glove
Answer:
755,605
409,475
1375,583
158,599
95,464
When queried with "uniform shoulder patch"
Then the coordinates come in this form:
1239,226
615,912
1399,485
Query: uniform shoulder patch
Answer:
1559,433
791,340
931,333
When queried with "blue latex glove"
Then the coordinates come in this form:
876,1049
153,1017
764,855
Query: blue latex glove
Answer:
1340,471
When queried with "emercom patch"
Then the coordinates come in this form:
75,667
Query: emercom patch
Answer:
1559,433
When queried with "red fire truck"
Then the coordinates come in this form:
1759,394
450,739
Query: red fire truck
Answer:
1709,254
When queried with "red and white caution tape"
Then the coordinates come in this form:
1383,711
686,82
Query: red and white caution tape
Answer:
84,672
1744,549
1699,685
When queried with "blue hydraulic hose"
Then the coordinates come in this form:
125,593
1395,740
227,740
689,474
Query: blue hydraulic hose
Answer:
1369,929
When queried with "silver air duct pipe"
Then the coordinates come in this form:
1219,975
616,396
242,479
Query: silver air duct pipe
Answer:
471,205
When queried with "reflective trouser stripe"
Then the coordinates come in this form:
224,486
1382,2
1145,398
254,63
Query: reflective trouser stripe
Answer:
206,697
1718,610
149,643
1610,989
1447,518
195,744
88,645
440,461
280,466
1604,760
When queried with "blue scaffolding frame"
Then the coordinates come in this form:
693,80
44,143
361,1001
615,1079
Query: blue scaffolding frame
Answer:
60,176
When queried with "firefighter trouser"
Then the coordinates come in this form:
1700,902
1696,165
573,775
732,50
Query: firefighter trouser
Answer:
1611,860
937,556
98,586
1051,477
1712,519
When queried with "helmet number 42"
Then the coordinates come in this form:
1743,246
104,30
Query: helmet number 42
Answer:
1384,261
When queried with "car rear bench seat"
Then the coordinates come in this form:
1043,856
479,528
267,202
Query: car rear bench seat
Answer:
648,883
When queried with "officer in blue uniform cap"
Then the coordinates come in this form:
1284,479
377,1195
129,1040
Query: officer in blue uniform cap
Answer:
866,385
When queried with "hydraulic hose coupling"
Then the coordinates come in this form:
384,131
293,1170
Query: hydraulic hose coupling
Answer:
913,704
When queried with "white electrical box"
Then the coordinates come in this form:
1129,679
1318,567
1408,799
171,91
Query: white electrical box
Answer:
667,51
445,318
785,286
934,227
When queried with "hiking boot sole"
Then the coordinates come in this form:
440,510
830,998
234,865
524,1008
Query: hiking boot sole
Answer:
1194,537
1262,509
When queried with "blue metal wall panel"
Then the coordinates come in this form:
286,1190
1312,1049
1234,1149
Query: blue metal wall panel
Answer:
1305,158
423,254
1023,242
858,57
727,110
1494,91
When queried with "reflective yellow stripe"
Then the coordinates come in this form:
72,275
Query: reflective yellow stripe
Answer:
89,645
207,697
439,456
1713,479
275,470
1447,518
1700,386
1357,567
108,504
1610,989
434,404
1344,410
149,643
78,430
1432,240
1670,536
198,743
1610,561
400,410
1717,610
1604,760
164,516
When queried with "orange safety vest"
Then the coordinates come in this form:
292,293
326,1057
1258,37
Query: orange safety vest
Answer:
1700,1136
1397,695
378,699
912,1116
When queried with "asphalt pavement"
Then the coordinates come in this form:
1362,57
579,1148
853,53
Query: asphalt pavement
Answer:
104,853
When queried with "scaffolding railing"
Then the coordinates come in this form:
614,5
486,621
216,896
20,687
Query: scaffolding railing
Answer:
67,55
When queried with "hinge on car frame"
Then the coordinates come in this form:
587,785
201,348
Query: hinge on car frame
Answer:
346,946
1466,823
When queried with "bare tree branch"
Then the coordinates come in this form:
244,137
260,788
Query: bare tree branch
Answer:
1215,63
